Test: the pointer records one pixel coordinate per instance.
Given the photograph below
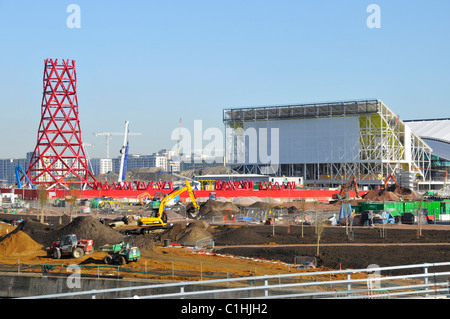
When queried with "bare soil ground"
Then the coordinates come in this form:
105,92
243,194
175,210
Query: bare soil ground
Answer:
386,245
391,246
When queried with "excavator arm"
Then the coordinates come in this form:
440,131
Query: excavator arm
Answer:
161,219
344,187
177,192
143,195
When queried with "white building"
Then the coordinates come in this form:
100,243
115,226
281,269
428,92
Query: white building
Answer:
325,143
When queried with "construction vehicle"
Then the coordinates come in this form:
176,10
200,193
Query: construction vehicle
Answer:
386,181
69,245
121,253
158,218
147,201
109,203
344,189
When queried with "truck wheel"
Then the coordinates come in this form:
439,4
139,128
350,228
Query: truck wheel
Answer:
77,253
121,260
164,217
108,259
56,254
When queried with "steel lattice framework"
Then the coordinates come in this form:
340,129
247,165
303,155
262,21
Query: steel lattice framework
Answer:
59,157
384,144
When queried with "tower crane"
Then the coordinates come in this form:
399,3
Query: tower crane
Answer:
108,138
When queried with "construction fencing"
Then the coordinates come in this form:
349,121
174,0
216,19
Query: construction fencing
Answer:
279,216
421,280
113,272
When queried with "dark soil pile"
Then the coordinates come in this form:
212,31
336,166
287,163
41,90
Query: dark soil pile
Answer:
56,220
359,254
184,232
263,235
355,257
262,205
217,208
392,193
85,227
41,233
226,235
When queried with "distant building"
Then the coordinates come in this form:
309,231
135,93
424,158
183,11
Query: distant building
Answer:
327,143
436,133
7,169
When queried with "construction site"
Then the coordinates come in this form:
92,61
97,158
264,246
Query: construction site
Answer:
353,185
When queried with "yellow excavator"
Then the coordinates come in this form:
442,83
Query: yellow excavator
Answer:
158,218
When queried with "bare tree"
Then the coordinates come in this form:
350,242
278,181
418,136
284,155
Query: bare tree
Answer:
320,227
72,199
43,198
303,208
419,218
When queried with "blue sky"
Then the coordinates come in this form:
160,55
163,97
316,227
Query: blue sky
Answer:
154,62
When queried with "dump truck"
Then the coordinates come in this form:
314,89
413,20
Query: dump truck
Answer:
121,253
109,203
69,245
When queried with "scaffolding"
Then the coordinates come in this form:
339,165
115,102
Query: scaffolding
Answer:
373,144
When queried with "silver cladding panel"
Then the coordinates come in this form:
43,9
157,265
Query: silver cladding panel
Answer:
316,140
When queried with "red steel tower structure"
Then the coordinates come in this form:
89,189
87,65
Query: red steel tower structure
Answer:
59,158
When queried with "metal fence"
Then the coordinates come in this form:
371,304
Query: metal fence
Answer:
280,216
299,285
116,272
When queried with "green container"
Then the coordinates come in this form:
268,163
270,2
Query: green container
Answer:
410,207
446,207
395,208
434,207
376,206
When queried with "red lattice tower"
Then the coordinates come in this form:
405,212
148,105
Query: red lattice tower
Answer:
59,158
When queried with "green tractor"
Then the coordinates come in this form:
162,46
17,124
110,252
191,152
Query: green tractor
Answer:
121,253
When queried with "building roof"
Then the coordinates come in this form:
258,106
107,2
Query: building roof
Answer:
437,129
310,110
435,132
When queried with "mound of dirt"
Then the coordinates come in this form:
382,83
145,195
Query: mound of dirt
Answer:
175,232
85,227
217,208
200,224
184,232
261,205
193,234
245,201
392,193
18,243
41,233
